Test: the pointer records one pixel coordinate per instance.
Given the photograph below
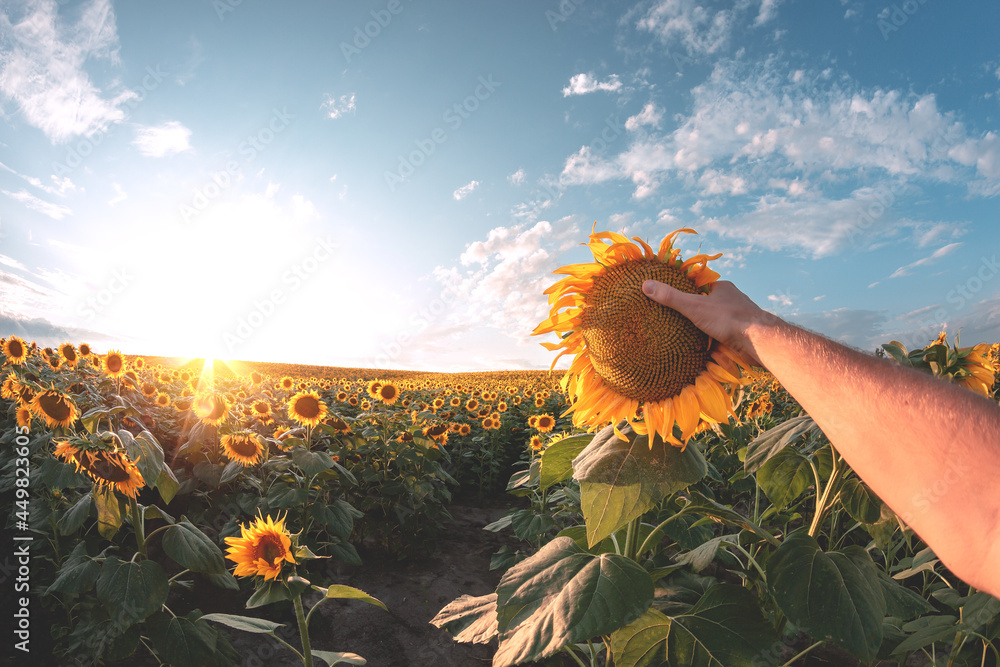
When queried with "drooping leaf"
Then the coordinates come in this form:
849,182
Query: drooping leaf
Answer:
831,595
900,601
860,501
268,592
622,479
146,452
167,484
109,511
185,640
469,619
131,591
186,544
701,557
78,573
73,518
244,623
350,593
927,630
705,506
563,595
773,440
339,658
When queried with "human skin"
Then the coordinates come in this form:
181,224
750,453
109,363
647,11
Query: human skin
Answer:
930,449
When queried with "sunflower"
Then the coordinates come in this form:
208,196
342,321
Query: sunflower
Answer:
545,423
437,432
114,364
107,467
85,350
15,350
338,424
306,408
24,418
210,408
472,405
388,393
148,389
286,383
464,429
536,443
261,548
632,353
68,353
373,388
244,447
162,400
54,408
978,369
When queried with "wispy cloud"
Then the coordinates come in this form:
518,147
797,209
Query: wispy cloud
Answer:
582,84
335,107
120,195
42,67
465,190
162,140
54,211
517,177
937,254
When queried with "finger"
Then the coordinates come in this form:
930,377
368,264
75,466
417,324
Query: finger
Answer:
666,295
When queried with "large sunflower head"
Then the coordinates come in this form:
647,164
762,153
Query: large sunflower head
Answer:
633,354
243,447
211,408
306,408
114,364
387,393
105,462
54,408
15,350
261,549
68,352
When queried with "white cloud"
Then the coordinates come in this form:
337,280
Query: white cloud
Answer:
162,140
465,190
768,10
303,209
42,67
690,26
54,211
517,178
582,84
120,195
650,115
937,254
60,187
780,299
336,107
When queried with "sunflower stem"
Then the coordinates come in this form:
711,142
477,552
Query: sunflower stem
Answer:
300,616
657,534
632,538
140,537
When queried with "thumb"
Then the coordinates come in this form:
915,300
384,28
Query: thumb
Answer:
665,295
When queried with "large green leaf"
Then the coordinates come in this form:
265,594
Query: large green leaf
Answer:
131,591
146,452
622,479
469,619
563,595
167,484
724,629
350,593
529,525
772,441
311,463
926,631
860,501
831,595
338,517
339,658
901,602
73,518
557,459
186,544
185,640
77,574
785,476
705,506
244,623
701,556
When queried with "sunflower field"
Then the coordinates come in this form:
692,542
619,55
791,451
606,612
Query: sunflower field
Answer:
715,528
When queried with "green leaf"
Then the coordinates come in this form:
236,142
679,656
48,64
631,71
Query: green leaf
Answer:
73,518
145,451
230,472
926,631
167,484
349,593
501,523
834,595
209,473
700,557
579,535
643,642
557,459
131,591
621,480
109,511
563,595
78,573
225,581
860,501
468,619
978,610
184,640
244,623
702,504
186,544
268,592
338,517
529,525
724,629
311,463
784,477
900,601
339,658
282,496
772,441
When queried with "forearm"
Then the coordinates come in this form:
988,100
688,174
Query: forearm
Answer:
929,449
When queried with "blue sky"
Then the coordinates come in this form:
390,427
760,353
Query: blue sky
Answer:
391,183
